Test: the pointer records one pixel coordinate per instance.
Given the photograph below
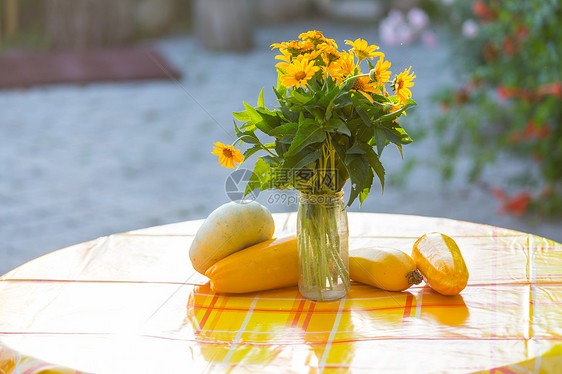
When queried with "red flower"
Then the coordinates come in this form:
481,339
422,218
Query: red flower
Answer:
516,205
483,11
551,89
508,47
537,132
522,33
531,131
505,93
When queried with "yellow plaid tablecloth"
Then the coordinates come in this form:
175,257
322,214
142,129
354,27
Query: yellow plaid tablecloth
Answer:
131,303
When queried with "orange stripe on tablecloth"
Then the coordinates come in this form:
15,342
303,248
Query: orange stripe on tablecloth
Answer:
502,370
329,311
207,313
36,367
216,318
407,309
308,315
336,367
298,314
295,306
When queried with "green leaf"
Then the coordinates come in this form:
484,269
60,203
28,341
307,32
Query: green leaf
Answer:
376,165
380,98
380,139
309,132
397,135
311,157
299,98
355,149
269,121
399,146
366,190
271,161
250,115
290,162
246,136
280,92
391,116
364,116
261,172
336,124
361,177
241,116
289,114
282,147
260,100
250,151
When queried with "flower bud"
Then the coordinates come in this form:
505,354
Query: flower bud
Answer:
372,75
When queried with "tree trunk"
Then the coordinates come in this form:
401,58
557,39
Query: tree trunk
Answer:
225,24
81,24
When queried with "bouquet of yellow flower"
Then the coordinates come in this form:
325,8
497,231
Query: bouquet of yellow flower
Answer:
331,124
330,120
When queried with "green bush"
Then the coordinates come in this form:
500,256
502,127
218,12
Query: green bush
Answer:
511,99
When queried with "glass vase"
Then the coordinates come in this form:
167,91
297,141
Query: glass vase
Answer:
323,237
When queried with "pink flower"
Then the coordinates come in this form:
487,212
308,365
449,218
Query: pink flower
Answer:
418,18
429,39
470,29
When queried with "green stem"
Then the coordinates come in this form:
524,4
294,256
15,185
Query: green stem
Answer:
259,143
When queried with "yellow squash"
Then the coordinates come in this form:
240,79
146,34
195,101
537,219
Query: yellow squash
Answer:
228,229
385,268
440,261
263,266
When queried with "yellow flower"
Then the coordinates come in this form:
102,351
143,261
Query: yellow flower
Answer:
362,50
228,156
329,53
364,85
313,35
317,38
401,85
396,107
298,72
343,67
294,47
380,73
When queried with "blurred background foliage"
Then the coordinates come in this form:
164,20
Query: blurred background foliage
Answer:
508,98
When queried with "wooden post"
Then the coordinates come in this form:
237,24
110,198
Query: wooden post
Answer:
225,24
81,24
12,17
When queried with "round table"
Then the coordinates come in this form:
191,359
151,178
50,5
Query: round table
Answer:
132,303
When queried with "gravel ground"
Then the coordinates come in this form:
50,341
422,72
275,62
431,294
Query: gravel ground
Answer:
79,162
